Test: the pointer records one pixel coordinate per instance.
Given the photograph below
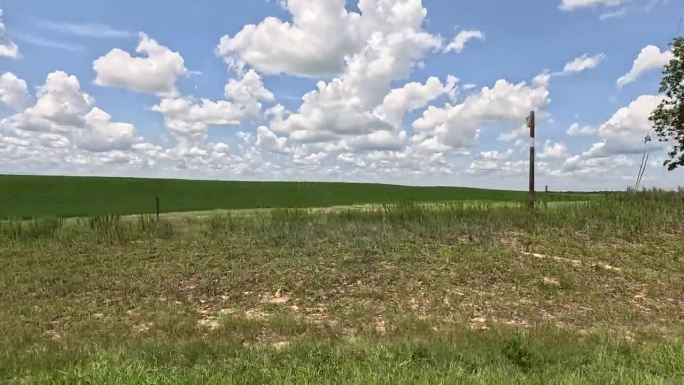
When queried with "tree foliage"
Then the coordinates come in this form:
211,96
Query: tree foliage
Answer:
668,118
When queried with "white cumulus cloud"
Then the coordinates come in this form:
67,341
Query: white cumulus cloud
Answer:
553,150
269,141
63,114
186,117
13,91
320,37
102,134
576,129
7,47
359,106
457,126
155,71
315,43
583,63
625,131
622,135
60,106
412,96
650,58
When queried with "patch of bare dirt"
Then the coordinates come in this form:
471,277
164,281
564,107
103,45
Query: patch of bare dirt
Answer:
574,262
53,335
277,298
478,323
142,327
379,325
209,323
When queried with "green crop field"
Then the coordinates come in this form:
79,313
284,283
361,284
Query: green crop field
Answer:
456,293
39,196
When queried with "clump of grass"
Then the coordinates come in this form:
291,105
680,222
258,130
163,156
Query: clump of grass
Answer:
104,224
149,226
35,229
107,229
517,350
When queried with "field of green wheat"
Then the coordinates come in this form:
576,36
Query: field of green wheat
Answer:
458,292
65,196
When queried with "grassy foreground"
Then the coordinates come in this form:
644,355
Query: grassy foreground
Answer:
460,293
40,196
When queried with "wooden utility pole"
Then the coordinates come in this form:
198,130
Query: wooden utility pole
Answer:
532,125
157,201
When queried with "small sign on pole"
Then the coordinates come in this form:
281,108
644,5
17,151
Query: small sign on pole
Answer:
532,126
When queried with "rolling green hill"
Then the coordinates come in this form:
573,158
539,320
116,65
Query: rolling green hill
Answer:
37,196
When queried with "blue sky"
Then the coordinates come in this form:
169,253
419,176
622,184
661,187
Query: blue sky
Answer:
397,91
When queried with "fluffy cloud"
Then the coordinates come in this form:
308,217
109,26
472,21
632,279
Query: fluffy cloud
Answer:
64,115
650,58
457,126
461,39
553,150
383,140
582,166
102,134
187,118
503,164
515,135
625,131
412,96
13,91
270,142
402,163
248,90
20,154
328,112
7,48
569,5
60,106
321,36
583,63
155,72
576,129
621,136
360,106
